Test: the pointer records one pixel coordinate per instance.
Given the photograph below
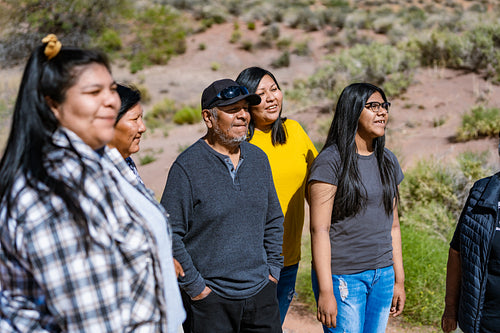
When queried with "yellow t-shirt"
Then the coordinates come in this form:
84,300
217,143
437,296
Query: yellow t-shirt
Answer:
290,164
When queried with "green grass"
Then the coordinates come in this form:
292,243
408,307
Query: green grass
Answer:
303,286
146,159
424,257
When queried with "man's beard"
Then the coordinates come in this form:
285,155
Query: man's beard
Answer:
225,139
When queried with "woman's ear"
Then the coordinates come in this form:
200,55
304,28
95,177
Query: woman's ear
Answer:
53,106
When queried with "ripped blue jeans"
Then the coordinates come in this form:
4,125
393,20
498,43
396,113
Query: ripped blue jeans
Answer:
363,300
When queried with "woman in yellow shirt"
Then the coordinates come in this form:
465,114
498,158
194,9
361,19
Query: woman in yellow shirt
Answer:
290,153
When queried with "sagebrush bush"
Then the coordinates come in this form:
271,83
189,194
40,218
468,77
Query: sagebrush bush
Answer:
74,22
383,65
477,49
430,182
187,115
160,34
145,94
109,41
480,121
474,166
302,48
282,61
160,114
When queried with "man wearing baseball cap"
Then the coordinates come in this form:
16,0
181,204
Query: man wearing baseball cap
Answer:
227,221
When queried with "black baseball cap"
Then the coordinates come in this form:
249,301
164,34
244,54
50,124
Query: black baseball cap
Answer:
226,92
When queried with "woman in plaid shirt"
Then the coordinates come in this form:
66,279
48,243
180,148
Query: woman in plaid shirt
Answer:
77,251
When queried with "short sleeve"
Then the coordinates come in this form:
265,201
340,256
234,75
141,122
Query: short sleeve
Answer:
326,166
397,168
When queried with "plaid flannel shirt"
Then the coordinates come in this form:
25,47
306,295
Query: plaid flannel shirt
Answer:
48,282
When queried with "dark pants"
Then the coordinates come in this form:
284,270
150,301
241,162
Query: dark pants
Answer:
215,314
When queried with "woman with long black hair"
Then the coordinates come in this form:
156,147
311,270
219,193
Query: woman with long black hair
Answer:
357,276
77,251
290,153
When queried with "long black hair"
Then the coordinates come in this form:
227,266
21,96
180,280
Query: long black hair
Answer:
250,78
350,197
130,96
33,124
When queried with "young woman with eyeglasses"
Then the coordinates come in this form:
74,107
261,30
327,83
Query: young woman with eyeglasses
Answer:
357,275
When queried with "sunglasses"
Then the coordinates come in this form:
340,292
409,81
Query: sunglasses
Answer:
229,92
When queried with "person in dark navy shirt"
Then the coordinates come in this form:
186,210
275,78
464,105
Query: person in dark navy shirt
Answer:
473,273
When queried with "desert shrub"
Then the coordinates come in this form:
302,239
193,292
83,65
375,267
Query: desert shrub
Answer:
145,94
284,43
160,34
474,166
430,182
305,18
271,33
383,24
336,3
439,121
477,49
160,114
266,12
358,19
214,66
74,22
382,65
480,121
414,17
146,159
235,36
187,115
211,13
246,45
251,25
109,41
302,48
282,61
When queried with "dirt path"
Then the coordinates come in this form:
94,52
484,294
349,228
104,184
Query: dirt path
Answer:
300,320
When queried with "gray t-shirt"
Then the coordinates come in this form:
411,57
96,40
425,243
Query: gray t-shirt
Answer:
363,241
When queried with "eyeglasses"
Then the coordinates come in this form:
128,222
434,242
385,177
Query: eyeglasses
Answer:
229,92
375,106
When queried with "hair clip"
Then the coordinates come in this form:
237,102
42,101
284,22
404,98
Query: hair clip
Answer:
53,46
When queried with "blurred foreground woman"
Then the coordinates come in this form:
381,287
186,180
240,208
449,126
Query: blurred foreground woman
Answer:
77,252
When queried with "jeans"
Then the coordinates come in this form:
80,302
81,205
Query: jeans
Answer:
363,300
286,288
216,314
